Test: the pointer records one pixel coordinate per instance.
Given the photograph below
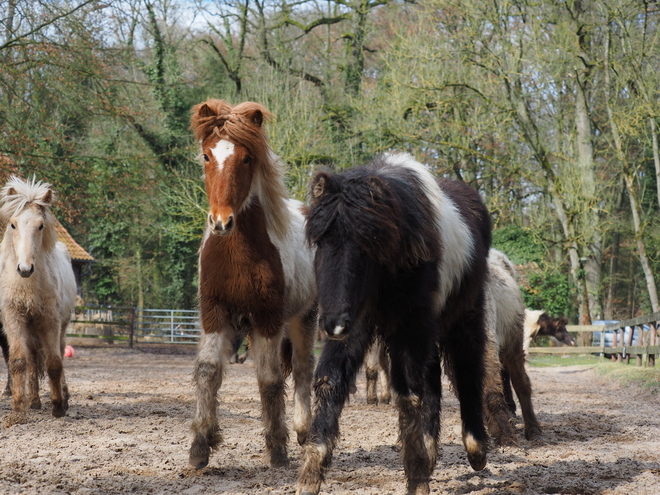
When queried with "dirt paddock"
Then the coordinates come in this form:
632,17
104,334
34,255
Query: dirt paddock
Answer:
128,431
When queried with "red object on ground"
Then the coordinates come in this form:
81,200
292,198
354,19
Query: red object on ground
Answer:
69,352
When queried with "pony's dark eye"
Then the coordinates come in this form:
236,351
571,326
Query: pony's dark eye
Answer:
247,159
206,157
13,226
41,227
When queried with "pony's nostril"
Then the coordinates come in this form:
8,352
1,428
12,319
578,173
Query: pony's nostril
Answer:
230,223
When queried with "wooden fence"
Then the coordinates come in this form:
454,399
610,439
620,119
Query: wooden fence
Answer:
621,347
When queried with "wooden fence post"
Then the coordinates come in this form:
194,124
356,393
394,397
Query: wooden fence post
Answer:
131,327
652,341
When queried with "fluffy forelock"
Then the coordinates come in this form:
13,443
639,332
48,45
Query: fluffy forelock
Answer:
18,193
236,124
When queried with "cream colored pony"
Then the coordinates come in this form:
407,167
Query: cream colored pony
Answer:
37,293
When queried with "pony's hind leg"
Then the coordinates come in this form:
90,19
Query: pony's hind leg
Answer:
54,370
371,370
209,365
384,380
523,388
463,351
497,413
35,371
301,332
266,355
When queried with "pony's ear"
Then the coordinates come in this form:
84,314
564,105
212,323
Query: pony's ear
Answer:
10,192
257,118
256,113
563,320
203,110
321,183
376,188
48,197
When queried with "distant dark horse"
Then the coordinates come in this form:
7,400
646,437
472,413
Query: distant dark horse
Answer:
402,256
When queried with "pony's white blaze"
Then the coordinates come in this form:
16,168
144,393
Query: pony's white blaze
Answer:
456,239
27,236
221,151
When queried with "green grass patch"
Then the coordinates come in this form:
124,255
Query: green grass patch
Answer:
548,360
647,379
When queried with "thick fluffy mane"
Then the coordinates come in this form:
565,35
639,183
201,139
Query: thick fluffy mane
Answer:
243,125
18,193
384,209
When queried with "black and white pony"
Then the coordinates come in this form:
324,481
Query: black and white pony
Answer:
399,255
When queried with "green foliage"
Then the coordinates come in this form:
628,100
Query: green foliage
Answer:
550,291
520,245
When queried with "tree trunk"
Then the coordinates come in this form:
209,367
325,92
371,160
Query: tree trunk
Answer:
628,177
656,157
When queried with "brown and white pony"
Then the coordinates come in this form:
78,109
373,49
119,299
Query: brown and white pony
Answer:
38,294
255,275
538,323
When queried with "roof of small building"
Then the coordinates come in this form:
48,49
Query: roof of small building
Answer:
76,251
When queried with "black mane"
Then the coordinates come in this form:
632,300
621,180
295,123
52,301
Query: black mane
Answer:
384,209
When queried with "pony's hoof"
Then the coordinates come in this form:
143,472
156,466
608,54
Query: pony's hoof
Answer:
59,411
35,404
477,460
421,488
279,458
534,433
199,453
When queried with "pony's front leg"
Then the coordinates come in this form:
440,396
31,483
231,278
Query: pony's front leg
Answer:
266,356
20,359
302,331
418,392
335,372
212,355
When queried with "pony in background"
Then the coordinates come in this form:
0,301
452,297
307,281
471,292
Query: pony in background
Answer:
255,276
506,358
401,256
538,324
37,294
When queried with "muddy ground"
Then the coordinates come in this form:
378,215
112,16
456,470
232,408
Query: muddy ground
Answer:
128,431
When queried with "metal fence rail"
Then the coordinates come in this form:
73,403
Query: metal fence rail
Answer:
168,326
173,326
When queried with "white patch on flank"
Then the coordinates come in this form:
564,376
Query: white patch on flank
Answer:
223,149
297,261
456,238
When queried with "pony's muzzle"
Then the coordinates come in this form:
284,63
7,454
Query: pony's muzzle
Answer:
220,227
336,327
24,271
